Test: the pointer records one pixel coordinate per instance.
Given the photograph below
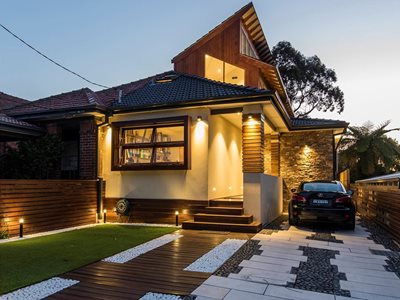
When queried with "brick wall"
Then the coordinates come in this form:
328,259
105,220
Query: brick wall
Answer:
305,156
87,149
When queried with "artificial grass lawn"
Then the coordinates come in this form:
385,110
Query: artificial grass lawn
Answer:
29,261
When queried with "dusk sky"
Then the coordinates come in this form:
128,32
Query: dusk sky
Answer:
114,42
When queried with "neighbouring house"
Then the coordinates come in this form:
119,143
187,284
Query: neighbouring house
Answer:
215,139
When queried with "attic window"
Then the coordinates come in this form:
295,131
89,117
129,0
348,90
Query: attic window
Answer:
166,78
216,69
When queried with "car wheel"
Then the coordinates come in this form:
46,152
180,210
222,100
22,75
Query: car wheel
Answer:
292,221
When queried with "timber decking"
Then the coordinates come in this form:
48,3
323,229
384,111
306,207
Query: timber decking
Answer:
160,270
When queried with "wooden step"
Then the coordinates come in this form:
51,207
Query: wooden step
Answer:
224,210
251,228
226,203
237,219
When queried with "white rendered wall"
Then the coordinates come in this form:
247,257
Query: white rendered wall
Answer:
262,196
225,177
161,184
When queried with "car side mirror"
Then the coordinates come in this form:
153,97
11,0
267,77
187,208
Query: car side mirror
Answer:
350,192
293,190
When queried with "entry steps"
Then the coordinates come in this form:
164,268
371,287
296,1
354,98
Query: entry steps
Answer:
224,215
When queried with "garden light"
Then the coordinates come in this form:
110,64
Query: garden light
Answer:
176,218
21,227
105,215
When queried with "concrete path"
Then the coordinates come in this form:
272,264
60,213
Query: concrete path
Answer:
299,263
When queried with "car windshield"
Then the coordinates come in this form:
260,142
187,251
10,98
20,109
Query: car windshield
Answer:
323,187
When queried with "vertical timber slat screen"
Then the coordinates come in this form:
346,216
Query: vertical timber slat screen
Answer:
380,203
46,204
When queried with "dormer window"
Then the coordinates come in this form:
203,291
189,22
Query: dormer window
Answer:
216,69
246,46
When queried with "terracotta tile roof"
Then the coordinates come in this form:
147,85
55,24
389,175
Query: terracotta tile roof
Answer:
174,87
308,122
8,101
76,99
10,121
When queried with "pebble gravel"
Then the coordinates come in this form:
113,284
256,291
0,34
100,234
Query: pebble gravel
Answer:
317,274
213,259
131,253
40,290
249,249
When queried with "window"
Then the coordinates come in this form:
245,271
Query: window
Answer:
246,46
216,69
152,144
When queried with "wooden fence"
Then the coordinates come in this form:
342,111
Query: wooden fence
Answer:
380,201
47,204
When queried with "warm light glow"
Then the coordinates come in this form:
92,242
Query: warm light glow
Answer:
105,211
214,189
200,132
306,150
250,117
21,220
176,212
230,188
219,70
185,211
199,118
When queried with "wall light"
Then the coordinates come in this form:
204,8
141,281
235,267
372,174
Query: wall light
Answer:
21,227
250,117
199,118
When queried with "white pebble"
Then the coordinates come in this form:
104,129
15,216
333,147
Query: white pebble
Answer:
158,296
131,253
213,259
40,290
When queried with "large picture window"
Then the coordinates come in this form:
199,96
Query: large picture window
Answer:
216,69
152,144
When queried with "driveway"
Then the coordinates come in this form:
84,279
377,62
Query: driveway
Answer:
309,263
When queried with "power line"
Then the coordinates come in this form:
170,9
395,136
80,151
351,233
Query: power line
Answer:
48,58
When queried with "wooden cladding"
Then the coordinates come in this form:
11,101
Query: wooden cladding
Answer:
380,204
46,204
160,211
253,143
275,155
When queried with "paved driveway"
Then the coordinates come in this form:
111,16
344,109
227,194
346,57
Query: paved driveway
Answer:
301,263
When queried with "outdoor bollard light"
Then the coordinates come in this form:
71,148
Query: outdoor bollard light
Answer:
21,227
105,215
176,218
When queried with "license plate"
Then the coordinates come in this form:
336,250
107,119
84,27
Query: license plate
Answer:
320,201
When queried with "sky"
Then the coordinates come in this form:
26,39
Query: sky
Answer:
119,41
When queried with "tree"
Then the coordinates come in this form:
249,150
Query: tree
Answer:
309,83
367,151
33,159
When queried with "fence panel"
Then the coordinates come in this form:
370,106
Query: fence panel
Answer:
381,203
47,204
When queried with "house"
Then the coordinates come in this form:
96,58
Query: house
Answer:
214,139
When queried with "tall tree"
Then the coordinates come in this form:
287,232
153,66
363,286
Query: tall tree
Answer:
309,83
368,151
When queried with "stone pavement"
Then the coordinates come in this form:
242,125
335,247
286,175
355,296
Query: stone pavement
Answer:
300,263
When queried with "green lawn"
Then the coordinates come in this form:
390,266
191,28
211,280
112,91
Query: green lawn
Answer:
29,261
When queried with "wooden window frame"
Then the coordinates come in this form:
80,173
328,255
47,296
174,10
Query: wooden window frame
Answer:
118,145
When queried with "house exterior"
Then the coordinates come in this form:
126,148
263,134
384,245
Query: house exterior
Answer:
214,139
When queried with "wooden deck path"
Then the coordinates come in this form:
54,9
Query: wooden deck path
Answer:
160,270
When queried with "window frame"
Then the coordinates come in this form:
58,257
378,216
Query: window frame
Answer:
118,145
